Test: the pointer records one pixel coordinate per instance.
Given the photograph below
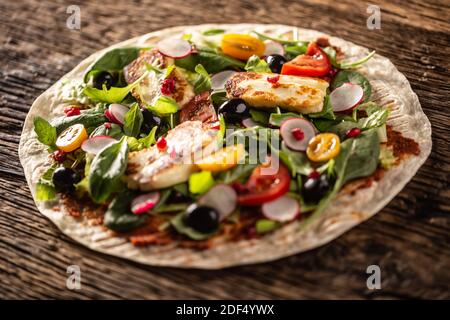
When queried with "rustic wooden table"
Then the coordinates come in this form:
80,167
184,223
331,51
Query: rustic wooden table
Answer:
409,239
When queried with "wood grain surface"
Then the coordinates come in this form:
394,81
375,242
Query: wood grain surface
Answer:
409,239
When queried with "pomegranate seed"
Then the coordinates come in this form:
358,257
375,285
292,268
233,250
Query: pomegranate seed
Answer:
59,156
71,111
273,79
161,144
168,86
107,125
298,134
353,132
314,175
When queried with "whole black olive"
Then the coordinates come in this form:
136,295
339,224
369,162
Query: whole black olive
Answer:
103,77
315,188
64,179
201,218
234,110
275,62
150,120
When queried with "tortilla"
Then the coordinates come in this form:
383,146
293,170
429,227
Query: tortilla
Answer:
390,88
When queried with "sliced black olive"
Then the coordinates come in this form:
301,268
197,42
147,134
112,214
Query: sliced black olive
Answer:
315,188
104,77
150,120
234,110
64,179
201,218
275,62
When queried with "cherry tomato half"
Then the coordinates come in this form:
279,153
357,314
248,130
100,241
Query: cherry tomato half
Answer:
323,147
314,63
261,188
242,46
71,138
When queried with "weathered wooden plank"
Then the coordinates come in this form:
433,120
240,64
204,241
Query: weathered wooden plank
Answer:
409,239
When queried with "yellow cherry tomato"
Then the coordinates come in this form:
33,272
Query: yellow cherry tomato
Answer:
242,46
71,138
222,160
323,147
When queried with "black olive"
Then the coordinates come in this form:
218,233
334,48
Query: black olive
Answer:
315,188
201,218
150,120
103,77
64,179
234,110
275,62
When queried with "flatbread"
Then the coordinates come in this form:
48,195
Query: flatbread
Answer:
390,87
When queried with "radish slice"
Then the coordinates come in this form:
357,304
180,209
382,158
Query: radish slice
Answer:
174,48
219,79
96,144
282,209
249,122
346,97
144,202
117,113
296,133
222,198
273,47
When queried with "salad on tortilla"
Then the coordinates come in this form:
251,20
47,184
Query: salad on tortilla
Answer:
213,136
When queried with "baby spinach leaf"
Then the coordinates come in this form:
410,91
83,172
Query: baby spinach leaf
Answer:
203,81
114,131
375,120
45,190
200,182
331,53
212,32
179,225
164,106
88,118
241,171
293,51
115,59
211,60
260,116
150,139
277,118
133,121
345,76
118,216
255,64
218,97
327,110
369,107
296,161
46,133
107,169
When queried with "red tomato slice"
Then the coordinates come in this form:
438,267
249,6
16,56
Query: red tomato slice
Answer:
314,63
261,188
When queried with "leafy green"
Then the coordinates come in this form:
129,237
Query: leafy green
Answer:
179,225
218,97
115,59
203,81
255,64
282,41
150,139
375,120
114,131
118,216
327,110
211,60
265,225
164,106
293,51
46,133
345,76
277,118
212,32
387,158
331,53
134,144
296,161
45,190
369,107
260,116
240,172
107,169
133,121
200,182
88,118
355,64
358,158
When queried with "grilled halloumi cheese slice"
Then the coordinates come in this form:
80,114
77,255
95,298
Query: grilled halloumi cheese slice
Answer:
151,168
299,94
149,89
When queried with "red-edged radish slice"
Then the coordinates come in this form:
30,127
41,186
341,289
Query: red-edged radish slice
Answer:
273,47
296,133
282,209
249,122
219,79
346,97
96,144
174,48
144,202
222,198
117,113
